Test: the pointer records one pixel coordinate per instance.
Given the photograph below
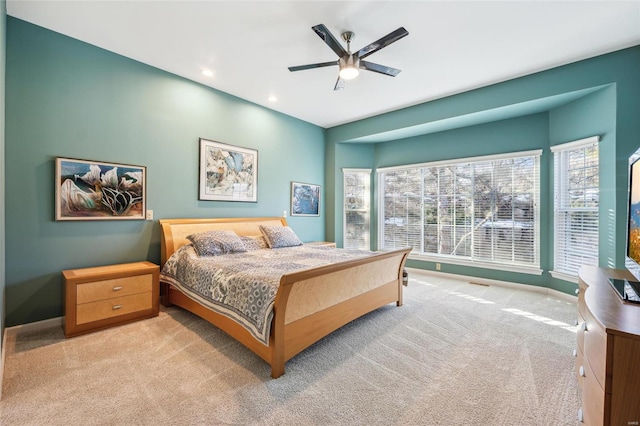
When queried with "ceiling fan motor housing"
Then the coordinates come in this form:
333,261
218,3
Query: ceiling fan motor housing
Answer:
349,61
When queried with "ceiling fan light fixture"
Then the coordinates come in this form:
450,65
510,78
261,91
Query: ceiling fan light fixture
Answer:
349,64
349,67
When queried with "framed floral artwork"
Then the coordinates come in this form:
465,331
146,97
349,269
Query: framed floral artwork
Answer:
96,190
227,172
305,199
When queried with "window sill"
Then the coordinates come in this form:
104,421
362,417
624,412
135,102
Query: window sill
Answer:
483,265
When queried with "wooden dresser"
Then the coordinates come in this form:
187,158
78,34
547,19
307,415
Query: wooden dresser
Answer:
104,296
608,352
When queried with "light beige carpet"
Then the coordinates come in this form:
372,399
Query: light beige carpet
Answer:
454,354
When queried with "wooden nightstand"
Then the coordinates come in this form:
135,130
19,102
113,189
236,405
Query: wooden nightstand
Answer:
104,296
321,243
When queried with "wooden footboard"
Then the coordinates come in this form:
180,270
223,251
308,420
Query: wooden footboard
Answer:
313,303
309,304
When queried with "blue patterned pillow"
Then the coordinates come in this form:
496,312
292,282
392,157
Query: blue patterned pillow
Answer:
256,242
280,236
214,243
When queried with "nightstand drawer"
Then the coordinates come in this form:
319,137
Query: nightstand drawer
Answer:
118,287
94,311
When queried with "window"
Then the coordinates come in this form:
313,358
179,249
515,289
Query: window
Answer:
356,208
481,211
576,198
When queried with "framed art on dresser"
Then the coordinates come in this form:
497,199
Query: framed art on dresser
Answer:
227,172
97,190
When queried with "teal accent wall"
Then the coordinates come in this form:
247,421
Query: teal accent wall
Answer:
70,99
66,98
600,95
3,38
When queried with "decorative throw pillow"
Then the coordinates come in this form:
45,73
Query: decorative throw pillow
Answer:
256,242
280,236
214,243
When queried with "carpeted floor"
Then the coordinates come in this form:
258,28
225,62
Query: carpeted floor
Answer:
454,354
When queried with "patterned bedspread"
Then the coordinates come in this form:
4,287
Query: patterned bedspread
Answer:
243,286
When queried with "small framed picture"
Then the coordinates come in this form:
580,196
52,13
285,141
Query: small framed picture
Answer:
227,172
305,199
96,190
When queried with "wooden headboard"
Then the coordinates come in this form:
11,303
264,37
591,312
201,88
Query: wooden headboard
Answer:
175,231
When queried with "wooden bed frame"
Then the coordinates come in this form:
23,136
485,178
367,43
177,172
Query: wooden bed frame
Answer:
309,304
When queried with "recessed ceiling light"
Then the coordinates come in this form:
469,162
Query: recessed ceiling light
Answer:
207,72
272,98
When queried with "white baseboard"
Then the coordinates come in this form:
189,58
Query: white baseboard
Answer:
486,281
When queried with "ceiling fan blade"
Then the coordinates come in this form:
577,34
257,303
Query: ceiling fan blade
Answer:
328,38
382,43
311,66
382,69
339,84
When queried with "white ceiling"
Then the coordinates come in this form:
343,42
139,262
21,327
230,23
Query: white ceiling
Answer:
452,46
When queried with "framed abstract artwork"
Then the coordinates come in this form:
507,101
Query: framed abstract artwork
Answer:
96,190
305,199
227,172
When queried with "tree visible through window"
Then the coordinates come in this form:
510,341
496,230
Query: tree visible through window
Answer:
479,209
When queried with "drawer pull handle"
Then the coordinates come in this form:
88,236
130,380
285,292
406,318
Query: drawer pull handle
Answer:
577,291
580,415
583,326
117,288
575,352
581,371
116,307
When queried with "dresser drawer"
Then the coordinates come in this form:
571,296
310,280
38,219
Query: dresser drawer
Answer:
580,332
593,397
595,348
118,287
579,363
94,311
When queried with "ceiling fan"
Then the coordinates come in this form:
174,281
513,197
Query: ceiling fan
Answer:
351,63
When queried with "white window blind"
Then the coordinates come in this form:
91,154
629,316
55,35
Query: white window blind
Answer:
356,208
576,200
482,209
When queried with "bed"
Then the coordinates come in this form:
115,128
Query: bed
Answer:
309,303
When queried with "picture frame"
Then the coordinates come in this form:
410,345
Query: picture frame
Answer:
227,172
305,199
98,190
